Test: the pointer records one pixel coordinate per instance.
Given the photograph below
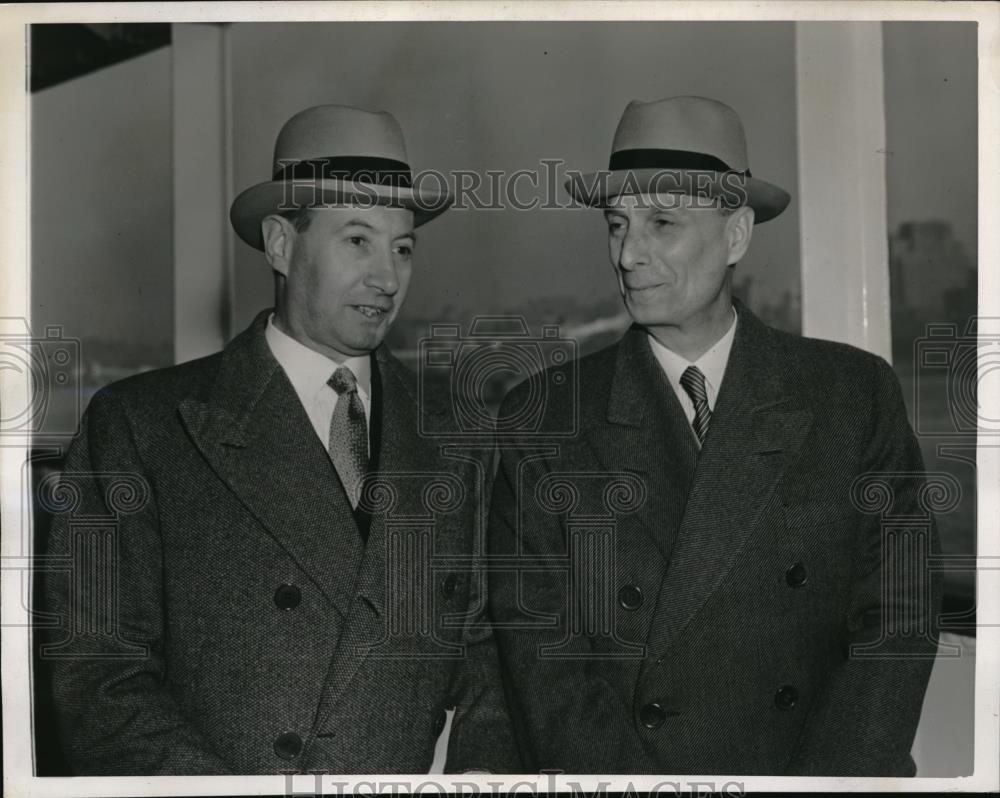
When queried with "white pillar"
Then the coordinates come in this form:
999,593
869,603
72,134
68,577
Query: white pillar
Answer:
842,194
202,257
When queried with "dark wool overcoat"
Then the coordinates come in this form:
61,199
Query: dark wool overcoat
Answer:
759,606
219,611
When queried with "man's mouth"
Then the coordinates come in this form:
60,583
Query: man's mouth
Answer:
634,288
371,311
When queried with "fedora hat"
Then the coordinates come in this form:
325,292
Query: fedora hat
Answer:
690,145
336,155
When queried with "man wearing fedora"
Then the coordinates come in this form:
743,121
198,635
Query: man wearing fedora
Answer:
261,608
700,589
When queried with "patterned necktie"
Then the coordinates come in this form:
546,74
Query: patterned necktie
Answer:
348,433
693,382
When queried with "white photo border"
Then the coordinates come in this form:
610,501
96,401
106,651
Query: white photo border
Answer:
15,302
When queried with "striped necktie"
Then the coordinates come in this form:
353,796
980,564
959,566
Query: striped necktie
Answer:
693,382
348,433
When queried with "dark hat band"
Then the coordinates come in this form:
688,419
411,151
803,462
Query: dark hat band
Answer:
356,168
669,160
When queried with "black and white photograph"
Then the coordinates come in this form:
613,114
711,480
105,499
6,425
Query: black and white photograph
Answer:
499,398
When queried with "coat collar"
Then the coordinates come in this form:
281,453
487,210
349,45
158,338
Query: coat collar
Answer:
646,434
246,371
254,432
639,389
755,379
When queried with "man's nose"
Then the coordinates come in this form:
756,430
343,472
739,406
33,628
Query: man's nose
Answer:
382,273
633,252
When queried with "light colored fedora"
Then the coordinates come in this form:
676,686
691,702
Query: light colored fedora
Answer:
690,145
337,155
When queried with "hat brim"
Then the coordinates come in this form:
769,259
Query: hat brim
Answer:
256,203
599,189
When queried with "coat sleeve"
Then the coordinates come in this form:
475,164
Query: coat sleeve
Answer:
863,722
482,738
115,714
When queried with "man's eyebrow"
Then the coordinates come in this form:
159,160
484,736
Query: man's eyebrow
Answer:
367,226
673,207
359,223
613,212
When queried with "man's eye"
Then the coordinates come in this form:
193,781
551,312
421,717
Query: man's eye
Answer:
405,250
358,241
615,227
661,221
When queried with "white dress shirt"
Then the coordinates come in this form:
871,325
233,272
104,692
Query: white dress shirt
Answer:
712,364
308,371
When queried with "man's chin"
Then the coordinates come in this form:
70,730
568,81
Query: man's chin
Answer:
365,341
647,315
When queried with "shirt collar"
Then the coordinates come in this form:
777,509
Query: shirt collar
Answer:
712,364
307,369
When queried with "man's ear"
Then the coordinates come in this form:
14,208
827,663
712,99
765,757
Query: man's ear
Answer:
278,235
739,231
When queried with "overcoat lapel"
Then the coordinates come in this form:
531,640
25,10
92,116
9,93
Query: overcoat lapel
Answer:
757,423
256,436
647,434
403,452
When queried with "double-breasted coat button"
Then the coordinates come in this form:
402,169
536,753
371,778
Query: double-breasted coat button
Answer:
448,585
630,597
652,716
796,575
786,697
287,597
288,745
439,723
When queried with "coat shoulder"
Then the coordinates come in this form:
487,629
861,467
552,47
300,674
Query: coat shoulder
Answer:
164,387
829,364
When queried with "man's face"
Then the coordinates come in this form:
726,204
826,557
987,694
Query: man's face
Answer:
672,258
346,278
